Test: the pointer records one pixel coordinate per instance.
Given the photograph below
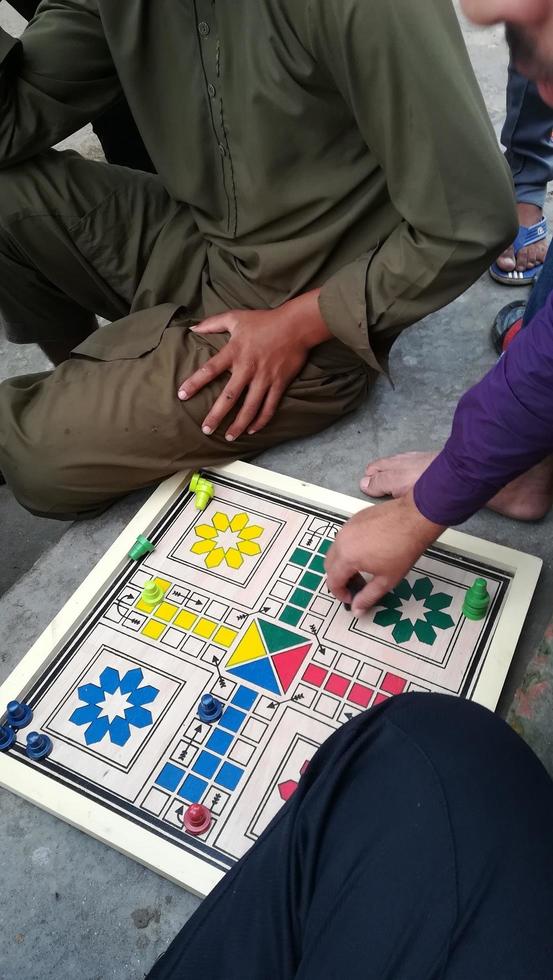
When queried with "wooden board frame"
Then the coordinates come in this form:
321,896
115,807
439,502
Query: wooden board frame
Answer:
135,841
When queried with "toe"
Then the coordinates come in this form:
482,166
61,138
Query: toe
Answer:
522,260
506,260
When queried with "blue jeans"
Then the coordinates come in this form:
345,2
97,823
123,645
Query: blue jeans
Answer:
541,290
527,139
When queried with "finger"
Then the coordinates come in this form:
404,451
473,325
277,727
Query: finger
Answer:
338,573
370,595
224,403
211,369
272,401
222,323
249,410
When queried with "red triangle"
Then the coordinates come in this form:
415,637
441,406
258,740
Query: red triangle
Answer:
288,663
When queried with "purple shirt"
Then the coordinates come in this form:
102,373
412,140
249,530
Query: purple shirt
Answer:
501,428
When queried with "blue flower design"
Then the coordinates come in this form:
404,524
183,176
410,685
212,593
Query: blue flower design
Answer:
130,710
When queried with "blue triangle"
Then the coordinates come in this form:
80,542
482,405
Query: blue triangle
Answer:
258,672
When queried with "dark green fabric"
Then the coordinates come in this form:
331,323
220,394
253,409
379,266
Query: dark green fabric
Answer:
333,143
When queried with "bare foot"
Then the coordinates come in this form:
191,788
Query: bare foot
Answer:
528,498
532,255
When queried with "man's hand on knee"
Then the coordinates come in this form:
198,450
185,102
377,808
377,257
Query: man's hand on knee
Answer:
266,350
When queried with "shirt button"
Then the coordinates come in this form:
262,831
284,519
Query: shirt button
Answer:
222,150
211,90
203,28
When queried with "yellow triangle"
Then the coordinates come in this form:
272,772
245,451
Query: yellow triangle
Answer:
250,647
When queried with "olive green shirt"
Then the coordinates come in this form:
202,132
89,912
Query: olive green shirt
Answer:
335,143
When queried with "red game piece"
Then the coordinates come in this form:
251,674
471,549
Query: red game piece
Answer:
197,819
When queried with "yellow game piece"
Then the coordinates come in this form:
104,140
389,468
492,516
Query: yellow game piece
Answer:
152,593
224,636
166,611
185,619
153,629
204,627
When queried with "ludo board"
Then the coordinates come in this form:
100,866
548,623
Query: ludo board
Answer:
246,615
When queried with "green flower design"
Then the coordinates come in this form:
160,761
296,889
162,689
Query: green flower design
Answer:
424,629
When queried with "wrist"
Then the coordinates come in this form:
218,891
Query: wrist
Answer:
306,320
423,531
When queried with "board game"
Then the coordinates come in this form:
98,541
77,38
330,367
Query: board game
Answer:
245,615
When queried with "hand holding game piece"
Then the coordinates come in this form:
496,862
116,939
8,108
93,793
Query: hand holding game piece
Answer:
38,746
384,541
356,584
197,819
19,715
209,708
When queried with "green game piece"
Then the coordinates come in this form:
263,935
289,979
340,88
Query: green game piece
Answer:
140,548
300,557
152,593
310,581
291,616
301,598
477,600
204,490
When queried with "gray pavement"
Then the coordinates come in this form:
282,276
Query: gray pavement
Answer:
72,907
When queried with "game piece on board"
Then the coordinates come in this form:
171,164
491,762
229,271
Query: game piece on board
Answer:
38,746
477,600
19,714
197,819
141,547
203,489
355,584
7,738
209,708
152,593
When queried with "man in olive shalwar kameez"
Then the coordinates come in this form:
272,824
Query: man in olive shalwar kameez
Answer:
327,175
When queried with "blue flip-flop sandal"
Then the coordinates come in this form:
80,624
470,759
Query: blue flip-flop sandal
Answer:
526,236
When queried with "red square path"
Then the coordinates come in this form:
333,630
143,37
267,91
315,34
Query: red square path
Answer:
379,699
393,684
360,695
315,675
337,685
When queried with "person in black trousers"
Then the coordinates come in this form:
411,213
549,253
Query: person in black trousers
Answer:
116,128
417,846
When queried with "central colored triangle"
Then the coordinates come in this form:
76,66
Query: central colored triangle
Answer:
277,638
287,664
250,647
258,672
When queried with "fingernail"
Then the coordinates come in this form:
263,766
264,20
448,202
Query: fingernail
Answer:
183,395
251,432
206,430
229,437
365,483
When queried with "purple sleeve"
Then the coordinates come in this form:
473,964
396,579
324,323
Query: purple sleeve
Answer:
501,428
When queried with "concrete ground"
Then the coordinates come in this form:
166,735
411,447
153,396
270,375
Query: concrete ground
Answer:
73,907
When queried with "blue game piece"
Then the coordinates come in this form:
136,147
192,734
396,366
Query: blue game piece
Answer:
7,738
209,708
38,746
19,714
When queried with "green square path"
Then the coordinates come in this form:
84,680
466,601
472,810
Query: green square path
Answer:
317,564
325,546
300,598
291,616
310,581
300,557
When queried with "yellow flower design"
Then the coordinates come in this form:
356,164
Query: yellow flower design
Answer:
226,540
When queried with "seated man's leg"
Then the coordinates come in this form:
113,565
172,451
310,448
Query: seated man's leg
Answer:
75,239
417,845
108,421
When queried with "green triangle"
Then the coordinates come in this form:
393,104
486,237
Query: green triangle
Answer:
277,638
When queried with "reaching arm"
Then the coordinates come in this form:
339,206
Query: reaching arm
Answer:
403,69
53,80
501,428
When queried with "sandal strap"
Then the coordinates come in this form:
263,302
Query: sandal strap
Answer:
531,234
